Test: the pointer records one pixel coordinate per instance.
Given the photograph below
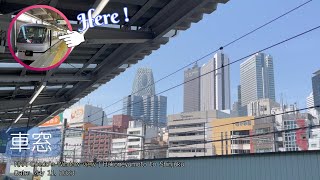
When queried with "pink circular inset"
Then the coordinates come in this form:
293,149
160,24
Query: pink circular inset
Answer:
9,37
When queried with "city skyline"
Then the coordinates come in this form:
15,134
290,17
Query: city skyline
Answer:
143,103
175,87
167,59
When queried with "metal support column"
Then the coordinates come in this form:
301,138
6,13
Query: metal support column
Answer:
63,136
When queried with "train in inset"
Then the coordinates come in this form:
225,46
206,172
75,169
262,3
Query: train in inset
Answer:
33,40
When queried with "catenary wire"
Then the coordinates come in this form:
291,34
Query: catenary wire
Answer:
233,62
210,53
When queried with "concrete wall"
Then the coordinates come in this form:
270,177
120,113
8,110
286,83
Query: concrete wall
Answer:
275,166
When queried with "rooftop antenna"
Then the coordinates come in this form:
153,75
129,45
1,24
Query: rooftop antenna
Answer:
195,64
281,101
285,97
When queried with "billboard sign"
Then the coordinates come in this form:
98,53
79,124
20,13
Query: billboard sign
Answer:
37,142
19,137
57,120
77,114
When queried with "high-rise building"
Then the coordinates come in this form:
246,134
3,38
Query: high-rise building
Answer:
239,94
237,109
150,109
310,104
143,104
215,84
143,84
133,106
316,88
155,110
257,78
191,89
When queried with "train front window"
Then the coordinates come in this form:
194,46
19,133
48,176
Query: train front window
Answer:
32,34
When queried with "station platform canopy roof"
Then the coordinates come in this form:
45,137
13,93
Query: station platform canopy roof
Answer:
106,53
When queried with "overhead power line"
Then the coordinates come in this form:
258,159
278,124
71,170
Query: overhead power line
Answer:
233,62
212,52
222,47
227,139
223,139
242,137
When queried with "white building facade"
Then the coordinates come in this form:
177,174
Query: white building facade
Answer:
314,139
188,133
118,149
261,107
135,145
310,103
215,84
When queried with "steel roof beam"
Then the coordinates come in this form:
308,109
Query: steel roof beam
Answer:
14,115
21,123
174,17
141,12
161,13
174,13
53,3
14,104
93,58
116,36
120,56
80,4
23,72
39,78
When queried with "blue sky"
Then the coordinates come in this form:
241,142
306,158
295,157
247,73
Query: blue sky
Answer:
294,61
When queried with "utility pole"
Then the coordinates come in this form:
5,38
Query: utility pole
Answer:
27,129
90,152
204,134
102,118
143,139
109,147
222,143
143,148
63,136
29,118
274,134
74,154
125,150
226,137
